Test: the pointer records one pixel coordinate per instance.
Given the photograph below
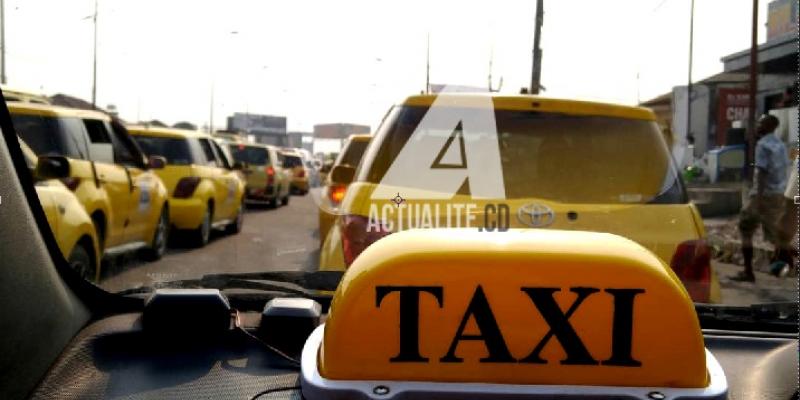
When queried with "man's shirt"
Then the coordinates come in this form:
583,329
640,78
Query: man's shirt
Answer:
771,157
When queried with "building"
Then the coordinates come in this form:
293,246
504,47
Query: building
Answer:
721,101
304,140
328,138
266,129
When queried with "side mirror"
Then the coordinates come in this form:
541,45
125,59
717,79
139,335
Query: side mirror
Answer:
156,162
342,174
238,165
101,152
52,167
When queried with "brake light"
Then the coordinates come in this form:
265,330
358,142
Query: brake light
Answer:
692,264
358,234
270,174
336,193
71,183
185,187
301,173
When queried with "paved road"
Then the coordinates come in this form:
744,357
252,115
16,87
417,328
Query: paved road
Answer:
272,240
286,239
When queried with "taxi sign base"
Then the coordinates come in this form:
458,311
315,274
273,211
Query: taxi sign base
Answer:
314,386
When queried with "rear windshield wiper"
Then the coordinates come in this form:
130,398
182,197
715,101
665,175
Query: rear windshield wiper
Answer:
773,317
299,283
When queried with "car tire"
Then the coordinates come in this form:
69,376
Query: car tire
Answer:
236,226
285,200
158,244
80,260
203,232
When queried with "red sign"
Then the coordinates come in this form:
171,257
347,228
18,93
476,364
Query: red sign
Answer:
733,104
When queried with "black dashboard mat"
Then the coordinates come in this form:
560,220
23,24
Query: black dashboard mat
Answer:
110,358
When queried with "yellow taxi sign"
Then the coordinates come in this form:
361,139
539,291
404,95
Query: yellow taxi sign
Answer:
532,307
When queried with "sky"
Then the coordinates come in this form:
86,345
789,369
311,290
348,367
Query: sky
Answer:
349,61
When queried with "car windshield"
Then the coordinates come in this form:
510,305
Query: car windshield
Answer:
249,154
297,135
176,151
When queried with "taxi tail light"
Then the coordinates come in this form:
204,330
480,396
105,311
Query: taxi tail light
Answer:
270,174
71,183
185,187
358,234
301,173
336,194
692,264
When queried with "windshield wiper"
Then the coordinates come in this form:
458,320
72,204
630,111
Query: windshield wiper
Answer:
775,317
299,283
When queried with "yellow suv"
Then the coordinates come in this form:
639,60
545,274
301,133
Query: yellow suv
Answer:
333,193
71,225
495,162
267,180
108,173
205,190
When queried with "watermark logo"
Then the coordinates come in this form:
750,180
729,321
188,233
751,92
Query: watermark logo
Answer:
449,146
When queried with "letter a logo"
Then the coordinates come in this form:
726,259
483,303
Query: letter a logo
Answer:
451,145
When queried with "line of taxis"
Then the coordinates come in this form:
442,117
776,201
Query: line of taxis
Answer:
109,189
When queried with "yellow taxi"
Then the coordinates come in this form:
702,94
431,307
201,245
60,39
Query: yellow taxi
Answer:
267,180
71,225
332,193
205,190
293,162
496,162
108,174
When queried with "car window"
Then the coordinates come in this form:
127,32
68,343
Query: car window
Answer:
220,155
51,135
353,153
176,151
292,161
208,153
249,154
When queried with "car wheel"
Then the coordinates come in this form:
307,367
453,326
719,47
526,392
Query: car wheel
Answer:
203,232
236,226
81,262
158,245
285,200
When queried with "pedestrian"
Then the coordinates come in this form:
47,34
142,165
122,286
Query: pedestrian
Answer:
785,253
766,201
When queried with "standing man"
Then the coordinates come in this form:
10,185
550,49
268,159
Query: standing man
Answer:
766,203
785,253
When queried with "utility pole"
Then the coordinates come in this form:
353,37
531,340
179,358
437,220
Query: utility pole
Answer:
428,65
94,58
211,111
751,118
536,72
689,82
3,42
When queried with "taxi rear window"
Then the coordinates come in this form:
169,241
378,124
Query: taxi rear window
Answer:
352,155
176,151
249,154
292,161
557,157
